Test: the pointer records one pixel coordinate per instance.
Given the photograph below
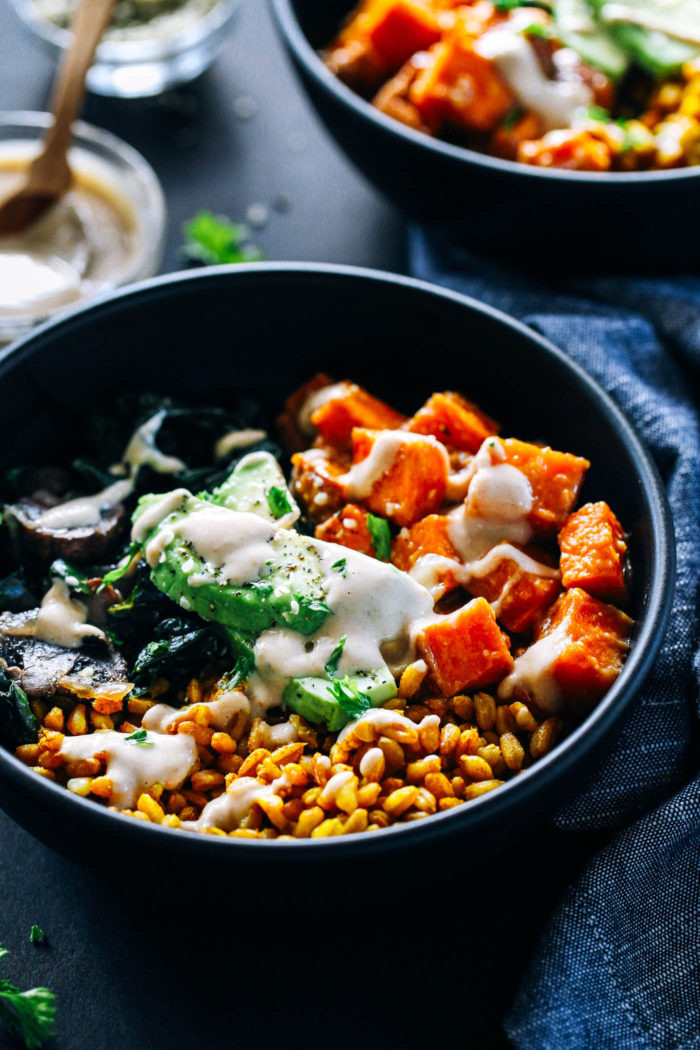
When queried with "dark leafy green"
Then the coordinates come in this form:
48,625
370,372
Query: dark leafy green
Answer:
178,651
17,722
30,1015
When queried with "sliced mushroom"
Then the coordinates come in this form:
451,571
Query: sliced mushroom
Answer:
40,667
81,545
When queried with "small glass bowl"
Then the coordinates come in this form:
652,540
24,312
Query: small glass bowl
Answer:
143,67
115,165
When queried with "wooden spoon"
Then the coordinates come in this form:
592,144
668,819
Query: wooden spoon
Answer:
49,175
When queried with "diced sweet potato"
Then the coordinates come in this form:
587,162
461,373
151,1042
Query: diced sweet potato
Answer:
453,420
353,407
392,98
578,653
348,528
519,596
399,28
459,87
555,477
429,536
593,551
405,479
356,62
295,432
467,649
317,482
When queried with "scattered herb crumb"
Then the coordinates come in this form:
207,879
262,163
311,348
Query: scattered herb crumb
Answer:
341,566
278,501
140,737
29,1015
331,665
350,699
381,536
37,935
214,240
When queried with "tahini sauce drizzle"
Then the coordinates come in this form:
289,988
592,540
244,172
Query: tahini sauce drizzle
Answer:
60,620
363,476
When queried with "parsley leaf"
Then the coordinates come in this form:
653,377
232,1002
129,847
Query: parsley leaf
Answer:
598,113
73,578
539,30
116,574
514,114
244,665
278,501
341,566
331,664
27,1015
140,737
509,5
213,239
37,935
350,699
381,536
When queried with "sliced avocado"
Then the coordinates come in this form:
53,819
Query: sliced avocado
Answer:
257,485
289,592
577,28
661,35
313,700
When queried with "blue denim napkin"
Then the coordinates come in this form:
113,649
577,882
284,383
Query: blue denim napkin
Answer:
618,965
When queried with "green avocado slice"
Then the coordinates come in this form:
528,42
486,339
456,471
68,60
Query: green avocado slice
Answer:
313,700
577,28
257,485
660,35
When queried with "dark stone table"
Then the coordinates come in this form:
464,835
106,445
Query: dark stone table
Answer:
153,967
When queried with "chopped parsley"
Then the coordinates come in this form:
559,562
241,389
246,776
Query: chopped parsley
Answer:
27,1015
341,566
514,114
598,113
539,30
331,664
214,239
140,737
278,501
381,536
509,5
244,665
350,699
116,574
37,935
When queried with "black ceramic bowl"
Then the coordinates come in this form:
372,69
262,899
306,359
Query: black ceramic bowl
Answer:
266,328
561,220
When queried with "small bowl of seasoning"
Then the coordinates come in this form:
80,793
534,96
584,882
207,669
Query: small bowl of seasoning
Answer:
105,232
149,47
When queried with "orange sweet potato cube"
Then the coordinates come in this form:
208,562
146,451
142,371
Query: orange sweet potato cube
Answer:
453,420
467,649
593,552
555,477
353,407
405,484
317,482
577,654
429,536
349,528
519,596
295,430
461,87
399,28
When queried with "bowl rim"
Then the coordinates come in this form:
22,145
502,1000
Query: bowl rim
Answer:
131,52
308,58
488,807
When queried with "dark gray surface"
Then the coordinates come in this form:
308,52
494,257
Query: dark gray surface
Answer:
144,966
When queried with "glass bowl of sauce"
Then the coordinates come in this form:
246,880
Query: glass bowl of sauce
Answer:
150,45
107,231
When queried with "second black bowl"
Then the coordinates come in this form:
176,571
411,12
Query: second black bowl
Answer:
265,329
558,220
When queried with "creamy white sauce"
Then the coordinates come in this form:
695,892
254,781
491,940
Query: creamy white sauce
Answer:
533,671
142,449
222,712
277,735
134,768
234,543
154,514
555,102
60,620
236,439
359,481
381,719
229,810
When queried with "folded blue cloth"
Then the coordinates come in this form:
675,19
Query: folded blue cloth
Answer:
618,966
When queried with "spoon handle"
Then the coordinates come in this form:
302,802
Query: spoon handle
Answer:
89,23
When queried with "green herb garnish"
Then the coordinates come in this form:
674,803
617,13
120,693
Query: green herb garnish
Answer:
509,5
73,578
539,30
349,697
27,1015
381,536
514,114
140,737
278,501
598,113
116,574
37,935
341,566
214,239
331,664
